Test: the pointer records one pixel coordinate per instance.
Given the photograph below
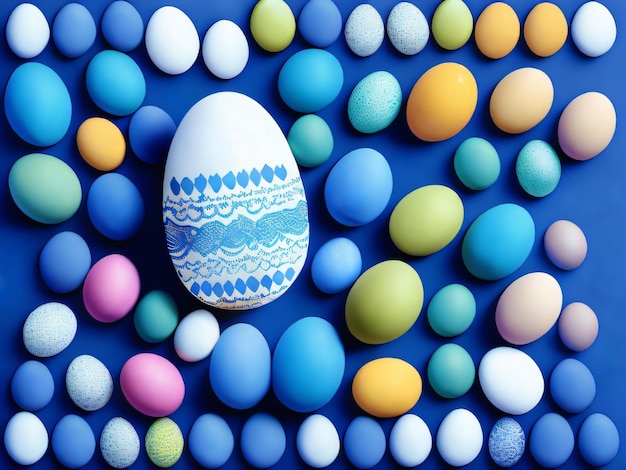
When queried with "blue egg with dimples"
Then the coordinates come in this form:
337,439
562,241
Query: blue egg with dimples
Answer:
73,30
506,442
64,262
122,26
364,442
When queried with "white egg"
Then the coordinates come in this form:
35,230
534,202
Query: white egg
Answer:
317,441
459,437
196,336
407,28
172,40
25,438
364,30
88,382
119,443
593,29
49,329
27,31
225,49
410,441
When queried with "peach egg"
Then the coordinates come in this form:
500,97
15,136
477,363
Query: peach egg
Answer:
497,30
545,29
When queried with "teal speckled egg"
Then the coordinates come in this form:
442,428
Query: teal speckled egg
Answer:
374,102
538,168
476,163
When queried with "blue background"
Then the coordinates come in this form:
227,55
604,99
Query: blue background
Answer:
592,194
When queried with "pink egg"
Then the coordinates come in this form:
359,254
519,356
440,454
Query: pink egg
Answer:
565,244
111,288
578,326
152,384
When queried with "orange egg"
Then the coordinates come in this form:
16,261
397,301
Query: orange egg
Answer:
497,30
442,102
101,143
545,29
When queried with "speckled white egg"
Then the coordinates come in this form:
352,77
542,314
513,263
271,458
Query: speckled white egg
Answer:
410,440
196,335
407,28
317,441
27,31
225,49
459,437
593,29
88,382
119,443
49,329
364,30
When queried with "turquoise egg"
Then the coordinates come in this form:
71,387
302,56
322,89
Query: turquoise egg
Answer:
311,140
37,104
506,442
451,310
156,316
374,102
538,168
476,163
451,371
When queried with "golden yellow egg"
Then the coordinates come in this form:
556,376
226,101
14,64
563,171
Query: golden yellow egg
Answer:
497,30
101,143
545,29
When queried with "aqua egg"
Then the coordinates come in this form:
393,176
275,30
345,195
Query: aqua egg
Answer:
73,442
477,163
538,168
451,310
225,49
150,133
27,31
410,440
25,438
572,385
49,329
32,385
336,265
73,30
263,440
311,140
551,441
88,382
320,22
364,442
210,440
374,102
317,441
506,442
119,443
122,26
156,316
407,28
451,371
598,440
164,442
364,30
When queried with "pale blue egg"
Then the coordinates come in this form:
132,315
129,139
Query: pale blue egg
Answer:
364,442
73,30
572,385
407,28
73,441
374,102
122,26
538,168
507,442
598,440
477,163
263,440
551,440
211,441
64,262
119,443
336,265
320,23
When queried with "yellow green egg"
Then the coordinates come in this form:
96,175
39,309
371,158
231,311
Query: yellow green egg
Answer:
273,25
452,24
164,442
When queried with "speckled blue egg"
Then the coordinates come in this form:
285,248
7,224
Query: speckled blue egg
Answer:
239,370
263,440
358,187
598,440
310,80
551,440
308,364
115,83
477,163
320,23
498,242
211,441
122,26
572,385
73,441
336,265
150,133
538,168
32,385
64,262
88,383
37,104
73,30
49,329
407,28
364,30
119,443
364,442
310,140
507,442
374,102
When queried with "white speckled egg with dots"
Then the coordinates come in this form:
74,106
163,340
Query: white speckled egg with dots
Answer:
407,28
364,30
89,383
119,443
49,329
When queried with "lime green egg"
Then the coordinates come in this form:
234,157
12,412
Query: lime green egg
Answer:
164,442
452,24
273,25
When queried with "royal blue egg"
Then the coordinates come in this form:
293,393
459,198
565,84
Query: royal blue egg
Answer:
551,440
507,442
73,30
239,370
73,441
336,265
572,385
263,440
37,104
211,441
122,26
64,262
320,23
32,386
308,364
150,134
598,440
364,442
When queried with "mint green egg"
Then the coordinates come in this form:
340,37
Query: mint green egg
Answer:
451,371
45,188
311,140
451,310
156,316
538,168
477,163
374,102
452,24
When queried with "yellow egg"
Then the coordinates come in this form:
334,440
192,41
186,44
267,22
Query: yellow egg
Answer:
387,387
272,25
442,102
521,100
545,29
164,442
101,143
497,30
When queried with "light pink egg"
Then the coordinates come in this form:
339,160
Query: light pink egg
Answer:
578,326
565,244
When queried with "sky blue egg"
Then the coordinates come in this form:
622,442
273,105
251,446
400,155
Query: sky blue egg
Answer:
32,386
358,187
150,133
73,441
551,440
498,242
115,83
477,163
211,441
336,265
122,26
364,442
451,310
37,104
572,385
506,442
64,262
538,168
310,80
263,440
374,102
73,30
598,440
320,23
115,206
308,364
239,370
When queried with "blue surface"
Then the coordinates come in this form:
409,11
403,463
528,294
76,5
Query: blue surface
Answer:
592,194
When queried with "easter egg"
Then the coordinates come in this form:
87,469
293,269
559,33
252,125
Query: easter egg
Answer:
122,26
196,335
572,385
407,28
111,288
384,302
374,102
578,326
172,41
477,163
586,126
101,143
593,29
32,385
348,200
88,383
452,24
210,440
308,364
156,316
45,188
239,370
538,168
336,265
451,371
49,329
442,101
426,220
64,262
498,242
73,442
386,387
497,30
506,442
320,23
410,441
263,440
598,440
551,440
317,441
152,384
310,80
364,442
73,30
272,25
545,29
225,49
511,380
521,99
27,31
37,104
565,244
233,196
310,140
119,443
150,133
528,308
164,443
459,437
451,310
364,30
25,438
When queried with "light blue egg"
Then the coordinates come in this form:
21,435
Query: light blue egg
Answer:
336,265
73,30
239,370
122,26
598,440
64,262
407,28
37,104
364,442
551,440
119,443
150,133
375,102
32,386
477,163
211,441
507,442
538,168
73,441
572,385
310,140
320,23
263,440
308,364
451,310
